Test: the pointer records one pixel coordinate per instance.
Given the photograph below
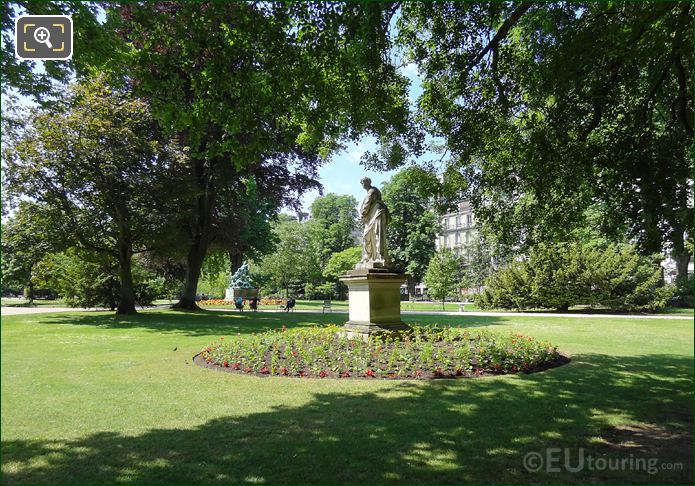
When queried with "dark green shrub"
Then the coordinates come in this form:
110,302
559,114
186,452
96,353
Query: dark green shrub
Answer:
564,275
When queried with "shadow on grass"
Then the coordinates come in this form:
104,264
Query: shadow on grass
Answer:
434,432
210,322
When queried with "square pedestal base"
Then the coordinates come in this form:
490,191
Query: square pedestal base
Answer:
374,303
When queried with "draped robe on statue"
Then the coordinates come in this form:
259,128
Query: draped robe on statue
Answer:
375,217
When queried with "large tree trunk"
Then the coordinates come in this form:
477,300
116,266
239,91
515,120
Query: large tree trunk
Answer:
679,252
236,258
682,258
411,288
194,265
126,299
200,239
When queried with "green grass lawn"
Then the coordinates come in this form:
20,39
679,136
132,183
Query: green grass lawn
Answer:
96,398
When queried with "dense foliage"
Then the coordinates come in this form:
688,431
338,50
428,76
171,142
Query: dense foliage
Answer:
266,89
26,240
106,179
561,276
333,224
550,107
443,275
293,264
429,352
339,264
410,197
91,280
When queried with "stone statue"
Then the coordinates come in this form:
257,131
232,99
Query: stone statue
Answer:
241,278
375,217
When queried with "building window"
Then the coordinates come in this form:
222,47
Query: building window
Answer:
468,237
469,220
458,221
446,223
458,238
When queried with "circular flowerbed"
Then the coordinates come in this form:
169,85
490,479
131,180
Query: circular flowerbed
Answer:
428,352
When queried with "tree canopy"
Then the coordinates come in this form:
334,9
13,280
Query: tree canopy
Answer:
107,180
333,223
414,226
550,107
264,88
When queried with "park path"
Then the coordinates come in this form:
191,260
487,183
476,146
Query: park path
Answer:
490,314
9,311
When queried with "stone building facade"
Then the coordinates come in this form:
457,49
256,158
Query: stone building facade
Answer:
458,229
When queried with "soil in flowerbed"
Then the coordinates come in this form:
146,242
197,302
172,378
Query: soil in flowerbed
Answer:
429,352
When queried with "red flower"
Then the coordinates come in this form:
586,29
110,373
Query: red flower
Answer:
439,372
459,372
370,372
345,374
514,368
248,370
418,374
265,370
478,371
301,373
236,366
392,375
295,353
283,371
225,364
323,374
284,328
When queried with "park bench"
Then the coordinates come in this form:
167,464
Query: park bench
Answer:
326,306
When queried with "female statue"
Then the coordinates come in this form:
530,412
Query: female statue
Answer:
375,216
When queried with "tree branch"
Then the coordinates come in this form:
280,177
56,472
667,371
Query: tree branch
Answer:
501,33
683,114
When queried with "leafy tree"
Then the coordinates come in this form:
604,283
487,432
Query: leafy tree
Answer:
414,226
294,262
105,177
549,108
86,279
333,223
442,275
26,240
94,44
339,264
479,262
261,87
242,226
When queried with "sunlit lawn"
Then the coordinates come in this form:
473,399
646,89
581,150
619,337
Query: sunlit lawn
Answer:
95,398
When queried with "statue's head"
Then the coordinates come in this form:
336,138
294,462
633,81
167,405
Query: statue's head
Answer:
366,182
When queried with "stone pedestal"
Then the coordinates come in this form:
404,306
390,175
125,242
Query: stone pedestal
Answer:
233,293
374,302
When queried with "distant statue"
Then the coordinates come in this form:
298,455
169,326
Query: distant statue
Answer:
241,278
375,217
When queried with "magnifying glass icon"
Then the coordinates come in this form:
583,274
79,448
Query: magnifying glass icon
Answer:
43,36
